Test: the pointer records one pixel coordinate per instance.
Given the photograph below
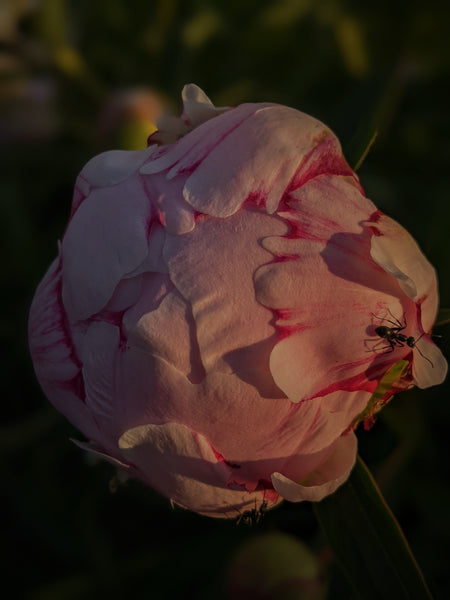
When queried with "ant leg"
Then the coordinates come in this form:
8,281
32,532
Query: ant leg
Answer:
375,346
397,326
397,322
389,348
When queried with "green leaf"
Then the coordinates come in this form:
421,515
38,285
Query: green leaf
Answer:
368,542
443,317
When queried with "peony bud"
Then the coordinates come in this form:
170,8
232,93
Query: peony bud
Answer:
224,305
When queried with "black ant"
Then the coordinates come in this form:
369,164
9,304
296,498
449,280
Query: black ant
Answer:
253,515
394,338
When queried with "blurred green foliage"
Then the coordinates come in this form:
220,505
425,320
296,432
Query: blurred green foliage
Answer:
78,77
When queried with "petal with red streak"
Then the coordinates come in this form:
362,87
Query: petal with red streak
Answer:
264,165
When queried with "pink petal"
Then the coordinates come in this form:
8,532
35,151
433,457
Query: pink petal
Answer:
193,148
155,286
174,212
154,260
180,464
233,331
261,435
49,337
197,107
429,365
151,386
125,295
326,479
228,174
99,356
55,359
150,334
394,249
114,166
337,411
327,325
106,239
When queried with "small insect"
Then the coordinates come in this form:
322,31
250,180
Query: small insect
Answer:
395,338
253,515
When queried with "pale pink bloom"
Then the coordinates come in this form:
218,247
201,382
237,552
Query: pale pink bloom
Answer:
210,321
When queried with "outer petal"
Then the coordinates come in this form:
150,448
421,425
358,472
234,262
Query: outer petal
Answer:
99,356
429,364
261,434
395,250
326,479
55,360
168,332
181,464
232,329
105,240
263,166
50,344
191,149
114,166
197,107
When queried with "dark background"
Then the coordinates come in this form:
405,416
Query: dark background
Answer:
79,77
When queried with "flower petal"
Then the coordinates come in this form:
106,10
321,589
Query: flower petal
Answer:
99,355
395,250
231,328
429,365
327,293
197,107
326,479
114,166
181,464
191,149
105,240
263,166
50,343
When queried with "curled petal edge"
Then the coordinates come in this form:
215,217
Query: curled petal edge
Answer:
323,481
197,107
429,365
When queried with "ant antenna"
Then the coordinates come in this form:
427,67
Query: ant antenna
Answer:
420,352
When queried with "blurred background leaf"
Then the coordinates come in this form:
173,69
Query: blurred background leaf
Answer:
367,541
78,77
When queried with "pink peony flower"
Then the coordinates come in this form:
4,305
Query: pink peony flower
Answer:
224,306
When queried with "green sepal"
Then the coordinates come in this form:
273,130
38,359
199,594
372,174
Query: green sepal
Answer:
381,396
